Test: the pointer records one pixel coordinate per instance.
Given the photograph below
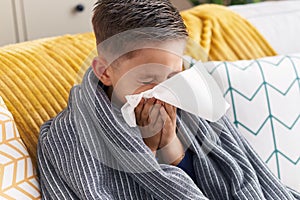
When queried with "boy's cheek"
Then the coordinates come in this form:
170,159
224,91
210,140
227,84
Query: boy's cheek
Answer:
119,93
123,88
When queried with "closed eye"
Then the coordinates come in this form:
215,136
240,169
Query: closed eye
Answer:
148,82
173,74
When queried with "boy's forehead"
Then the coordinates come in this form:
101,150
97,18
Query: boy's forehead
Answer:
149,54
154,59
175,47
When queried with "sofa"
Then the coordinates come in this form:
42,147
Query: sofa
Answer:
36,77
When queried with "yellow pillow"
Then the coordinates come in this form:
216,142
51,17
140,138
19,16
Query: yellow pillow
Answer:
18,178
36,78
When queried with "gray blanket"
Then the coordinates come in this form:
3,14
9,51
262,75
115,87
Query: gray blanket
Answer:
88,152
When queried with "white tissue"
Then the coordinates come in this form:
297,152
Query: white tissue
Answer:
193,90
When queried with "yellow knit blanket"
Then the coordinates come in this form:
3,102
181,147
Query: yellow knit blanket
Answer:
36,76
223,34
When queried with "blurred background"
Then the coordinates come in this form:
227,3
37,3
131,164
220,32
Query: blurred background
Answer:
185,4
33,19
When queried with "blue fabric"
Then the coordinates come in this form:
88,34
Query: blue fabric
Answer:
186,164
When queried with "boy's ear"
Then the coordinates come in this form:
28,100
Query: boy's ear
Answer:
101,70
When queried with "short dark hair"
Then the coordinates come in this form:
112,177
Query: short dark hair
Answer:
115,16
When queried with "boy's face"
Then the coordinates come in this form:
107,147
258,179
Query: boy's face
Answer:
147,68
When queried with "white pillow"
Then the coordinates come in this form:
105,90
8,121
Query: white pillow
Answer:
277,21
265,106
18,178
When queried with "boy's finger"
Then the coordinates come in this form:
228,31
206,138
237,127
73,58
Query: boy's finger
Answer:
146,109
138,110
154,114
164,113
158,126
170,110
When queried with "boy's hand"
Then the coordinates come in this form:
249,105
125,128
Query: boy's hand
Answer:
150,122
172,151
168,113
157,121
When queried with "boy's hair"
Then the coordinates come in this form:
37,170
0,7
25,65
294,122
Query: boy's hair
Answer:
115,16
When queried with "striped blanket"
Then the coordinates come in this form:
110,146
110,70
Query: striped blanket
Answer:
88,152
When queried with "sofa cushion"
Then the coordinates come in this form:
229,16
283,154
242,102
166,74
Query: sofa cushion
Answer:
277,21
264,95
36,77
18,178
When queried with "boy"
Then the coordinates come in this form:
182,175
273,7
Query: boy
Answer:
88,152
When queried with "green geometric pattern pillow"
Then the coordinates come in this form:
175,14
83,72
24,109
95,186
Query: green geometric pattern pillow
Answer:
265,106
